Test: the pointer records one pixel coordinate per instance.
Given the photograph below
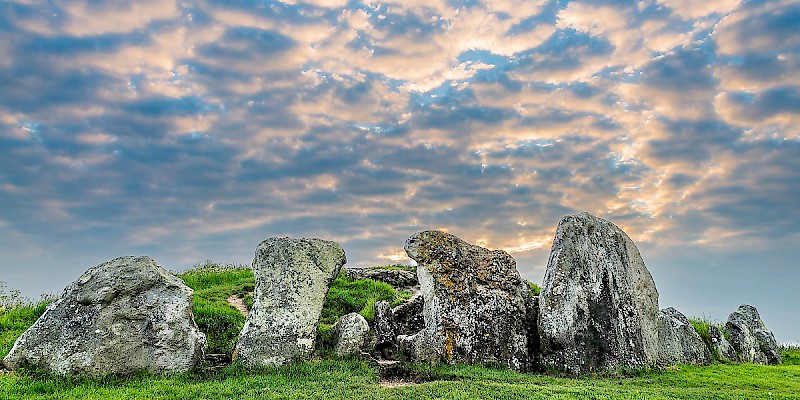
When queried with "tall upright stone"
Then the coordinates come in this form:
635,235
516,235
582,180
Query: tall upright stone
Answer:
292,277
119,317
751,338
679,342
598,309
474,308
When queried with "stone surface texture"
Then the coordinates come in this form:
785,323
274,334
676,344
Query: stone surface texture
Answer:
474,308
532,326
397,278
750,337
350,334
121,316
679,342
723,347
292,277
598,309
389,323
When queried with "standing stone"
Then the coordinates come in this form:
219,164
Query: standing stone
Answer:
349,334
598,308
724,349
679,342
121,316
292,277
474,309
751,338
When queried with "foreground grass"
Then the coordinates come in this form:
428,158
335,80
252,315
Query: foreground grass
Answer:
348,379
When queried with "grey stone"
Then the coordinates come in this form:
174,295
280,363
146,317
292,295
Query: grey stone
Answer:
397,278
679,342
598,309
121,316
292,277
724,349
752,340
389,323
474,308
350,334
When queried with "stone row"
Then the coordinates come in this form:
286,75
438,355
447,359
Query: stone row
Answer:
597,311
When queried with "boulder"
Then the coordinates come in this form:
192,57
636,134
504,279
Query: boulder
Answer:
678,341
718,342
750,337
292,278
350,334
397,278
474,308
121,316
389,323
598,308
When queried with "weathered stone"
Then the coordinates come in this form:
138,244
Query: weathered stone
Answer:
532,325
292,277
350,334
474,309
389,323
724,349
398,278
751,338
598,309
121,316
679,342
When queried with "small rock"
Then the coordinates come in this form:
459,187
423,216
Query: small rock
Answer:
474,309
292,277
122,316
724,349
349,334
751,338
679,342
598,308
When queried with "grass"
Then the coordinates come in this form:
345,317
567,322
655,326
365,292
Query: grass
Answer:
336,378
535,289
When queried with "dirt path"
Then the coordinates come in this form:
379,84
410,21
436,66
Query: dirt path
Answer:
238,304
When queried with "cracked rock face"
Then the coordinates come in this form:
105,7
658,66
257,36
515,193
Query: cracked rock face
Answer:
751,338
598,308
679,342
122,316
292,277
723,347
474,309
389,323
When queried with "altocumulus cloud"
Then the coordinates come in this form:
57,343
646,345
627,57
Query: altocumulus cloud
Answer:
194,129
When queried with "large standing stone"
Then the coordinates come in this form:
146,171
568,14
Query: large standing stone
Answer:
292,277
679,342
121,316
598,308
350,334
718,342
751,338
474,309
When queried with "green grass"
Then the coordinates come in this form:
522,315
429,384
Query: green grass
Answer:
212,285
349,295
397,267
535,289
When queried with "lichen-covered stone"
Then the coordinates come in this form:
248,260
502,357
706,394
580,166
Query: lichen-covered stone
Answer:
598,308
750,337
292,277
389,323
474,309
350,334
121,316
397,278
679,342
724,349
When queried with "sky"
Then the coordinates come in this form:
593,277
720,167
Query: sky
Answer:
193,130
